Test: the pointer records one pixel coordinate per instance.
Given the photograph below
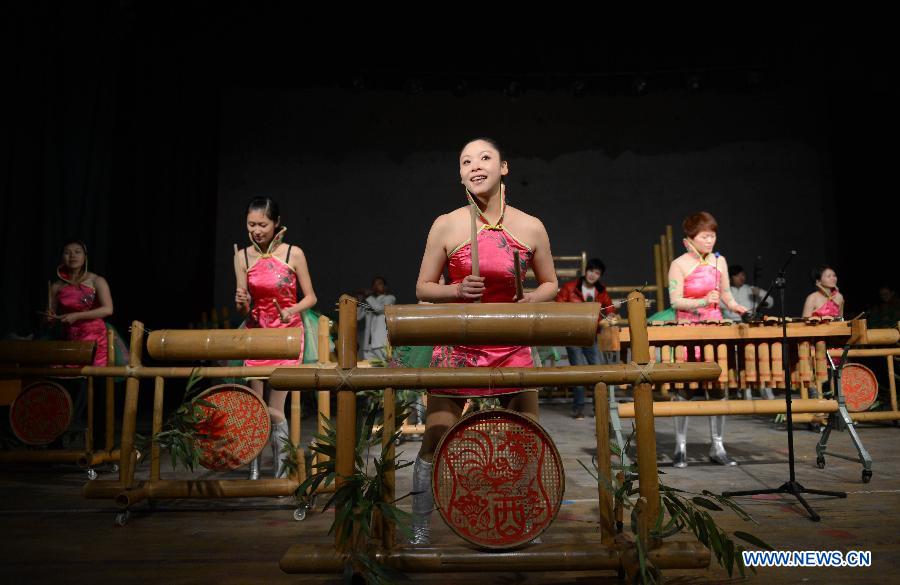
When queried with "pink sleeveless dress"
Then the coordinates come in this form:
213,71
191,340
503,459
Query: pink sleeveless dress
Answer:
495,252
268,280
697,285
829,308
75,298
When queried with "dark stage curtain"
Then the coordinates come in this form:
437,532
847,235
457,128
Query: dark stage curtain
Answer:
110,136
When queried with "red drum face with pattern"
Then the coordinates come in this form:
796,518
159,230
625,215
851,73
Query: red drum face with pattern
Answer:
481,167
828,278
704,242
261,228
592,276
73,257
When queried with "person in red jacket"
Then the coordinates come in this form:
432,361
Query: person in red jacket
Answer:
587,289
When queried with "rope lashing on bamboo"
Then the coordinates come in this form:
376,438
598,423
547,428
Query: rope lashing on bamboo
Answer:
643,373
345,383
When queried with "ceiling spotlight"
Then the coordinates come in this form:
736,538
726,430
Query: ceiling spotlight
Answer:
639,86
754,78
513,90
578,87
412,86
693,83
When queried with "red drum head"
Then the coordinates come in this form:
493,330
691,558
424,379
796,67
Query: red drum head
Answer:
498,479
238,427
859,387
40,413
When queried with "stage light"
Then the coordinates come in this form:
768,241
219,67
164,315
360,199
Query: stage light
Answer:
413,86
639,86
693,83
754,79
513,90
578,87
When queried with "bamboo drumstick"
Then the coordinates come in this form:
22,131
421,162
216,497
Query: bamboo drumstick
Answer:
281,311
520,294
473,242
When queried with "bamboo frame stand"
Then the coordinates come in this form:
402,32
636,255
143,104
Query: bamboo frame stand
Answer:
843,420
44,354
612,554
723,344
126,491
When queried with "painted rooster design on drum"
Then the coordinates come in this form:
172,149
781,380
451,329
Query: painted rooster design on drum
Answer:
498,497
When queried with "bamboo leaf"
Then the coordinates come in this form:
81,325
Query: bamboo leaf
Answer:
729,555
739,560
704,502
755,541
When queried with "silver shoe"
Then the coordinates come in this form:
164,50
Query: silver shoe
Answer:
280,434
422,502
679,459
254,469
717,452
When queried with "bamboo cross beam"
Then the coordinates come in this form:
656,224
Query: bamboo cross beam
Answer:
567,324
358,379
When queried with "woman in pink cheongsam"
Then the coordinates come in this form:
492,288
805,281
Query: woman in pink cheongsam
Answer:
698,280
826,300
269,275
502,230
79,301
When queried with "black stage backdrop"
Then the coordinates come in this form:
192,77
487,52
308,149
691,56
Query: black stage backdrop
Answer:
144,129
111,138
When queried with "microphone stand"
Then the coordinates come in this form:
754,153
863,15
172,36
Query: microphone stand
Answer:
791,486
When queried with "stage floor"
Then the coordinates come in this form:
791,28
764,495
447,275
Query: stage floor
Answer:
52,535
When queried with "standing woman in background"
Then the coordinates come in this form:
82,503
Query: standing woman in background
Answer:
269,274
79,300
698,281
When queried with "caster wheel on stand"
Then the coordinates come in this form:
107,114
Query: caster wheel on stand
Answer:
92,474
866,475
114,468
122,517
820,462
300,514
